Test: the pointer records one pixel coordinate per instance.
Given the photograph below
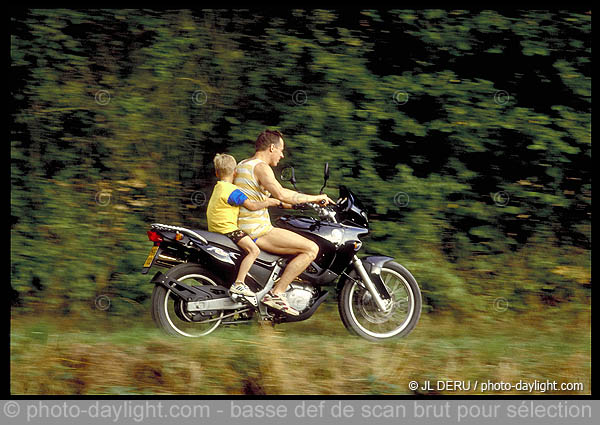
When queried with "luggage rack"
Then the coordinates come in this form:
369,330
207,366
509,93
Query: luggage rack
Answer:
167,227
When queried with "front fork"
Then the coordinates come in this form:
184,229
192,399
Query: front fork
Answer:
382,304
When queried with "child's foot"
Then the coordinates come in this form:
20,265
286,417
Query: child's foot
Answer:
279,302
242,289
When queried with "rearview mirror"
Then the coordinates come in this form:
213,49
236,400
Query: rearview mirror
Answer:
325,176
288,175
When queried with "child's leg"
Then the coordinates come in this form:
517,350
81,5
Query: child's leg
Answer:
250,247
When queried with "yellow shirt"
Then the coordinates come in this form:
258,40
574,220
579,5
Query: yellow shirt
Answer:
224,207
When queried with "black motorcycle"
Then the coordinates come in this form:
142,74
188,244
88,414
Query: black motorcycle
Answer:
377,297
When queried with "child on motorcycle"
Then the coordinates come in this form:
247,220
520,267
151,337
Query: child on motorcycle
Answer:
222,214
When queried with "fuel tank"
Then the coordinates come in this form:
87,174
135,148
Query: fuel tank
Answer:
337,242
309,227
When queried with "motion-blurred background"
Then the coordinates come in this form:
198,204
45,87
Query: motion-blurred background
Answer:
467,135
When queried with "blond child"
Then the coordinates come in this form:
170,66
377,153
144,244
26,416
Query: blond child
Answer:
222,214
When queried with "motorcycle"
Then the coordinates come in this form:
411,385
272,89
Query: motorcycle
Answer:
377,297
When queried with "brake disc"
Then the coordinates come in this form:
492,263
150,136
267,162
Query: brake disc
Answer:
369,310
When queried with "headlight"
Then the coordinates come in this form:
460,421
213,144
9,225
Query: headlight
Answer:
336,236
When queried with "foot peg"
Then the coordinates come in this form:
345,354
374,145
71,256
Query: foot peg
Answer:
244,299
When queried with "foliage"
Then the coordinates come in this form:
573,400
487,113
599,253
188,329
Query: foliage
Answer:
468,135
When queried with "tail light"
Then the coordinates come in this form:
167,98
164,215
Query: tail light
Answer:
154,237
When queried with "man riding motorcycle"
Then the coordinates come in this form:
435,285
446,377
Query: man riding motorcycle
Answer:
256,179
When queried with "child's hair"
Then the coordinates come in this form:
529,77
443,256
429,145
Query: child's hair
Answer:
224,164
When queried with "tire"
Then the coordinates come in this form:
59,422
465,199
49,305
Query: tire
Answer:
168,311
361,317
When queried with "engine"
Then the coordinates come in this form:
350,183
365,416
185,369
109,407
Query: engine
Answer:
300,295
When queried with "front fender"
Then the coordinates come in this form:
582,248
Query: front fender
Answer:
372,265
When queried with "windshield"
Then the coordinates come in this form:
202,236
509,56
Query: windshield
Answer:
351,209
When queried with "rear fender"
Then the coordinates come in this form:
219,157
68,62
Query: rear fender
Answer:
181,290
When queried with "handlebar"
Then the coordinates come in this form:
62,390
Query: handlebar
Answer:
322,210
307,205
312,205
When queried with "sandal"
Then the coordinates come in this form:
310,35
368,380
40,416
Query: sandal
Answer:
280,303
241,288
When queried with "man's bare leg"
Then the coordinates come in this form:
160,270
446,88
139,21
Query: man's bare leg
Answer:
282,241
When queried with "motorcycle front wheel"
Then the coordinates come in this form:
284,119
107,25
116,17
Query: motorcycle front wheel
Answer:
169,311
361,316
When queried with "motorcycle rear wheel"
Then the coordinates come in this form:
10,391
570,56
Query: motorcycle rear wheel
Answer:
169,312
361,316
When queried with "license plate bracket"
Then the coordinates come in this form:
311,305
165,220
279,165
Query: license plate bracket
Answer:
150,259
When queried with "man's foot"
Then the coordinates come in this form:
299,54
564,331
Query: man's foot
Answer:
279,302
241,288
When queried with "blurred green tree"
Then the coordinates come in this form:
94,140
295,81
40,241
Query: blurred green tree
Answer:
468,135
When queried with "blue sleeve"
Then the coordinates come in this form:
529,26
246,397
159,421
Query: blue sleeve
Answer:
236,198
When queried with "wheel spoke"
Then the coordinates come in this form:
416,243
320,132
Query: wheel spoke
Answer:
383,324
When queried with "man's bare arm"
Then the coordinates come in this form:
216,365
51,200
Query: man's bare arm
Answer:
266,178
259,205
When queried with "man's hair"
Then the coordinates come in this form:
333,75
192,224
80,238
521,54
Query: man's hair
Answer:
224,164
267,138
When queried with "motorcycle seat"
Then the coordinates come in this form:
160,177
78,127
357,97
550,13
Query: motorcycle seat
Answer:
224,241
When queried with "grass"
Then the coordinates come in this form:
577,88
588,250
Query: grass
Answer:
103,355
